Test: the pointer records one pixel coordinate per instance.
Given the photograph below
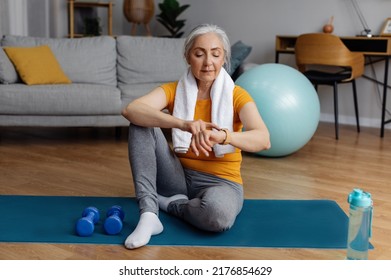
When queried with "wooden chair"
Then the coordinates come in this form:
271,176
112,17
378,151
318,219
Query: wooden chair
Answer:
325,60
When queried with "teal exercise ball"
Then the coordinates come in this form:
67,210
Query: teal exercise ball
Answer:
288,104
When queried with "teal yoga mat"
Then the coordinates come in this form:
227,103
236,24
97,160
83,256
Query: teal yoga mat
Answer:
262,223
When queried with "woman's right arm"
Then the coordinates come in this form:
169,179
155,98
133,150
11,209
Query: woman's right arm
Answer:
147,111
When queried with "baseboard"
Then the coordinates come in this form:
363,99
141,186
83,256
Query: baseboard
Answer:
349,120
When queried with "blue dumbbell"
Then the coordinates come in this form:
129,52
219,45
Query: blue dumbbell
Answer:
85,226
113,223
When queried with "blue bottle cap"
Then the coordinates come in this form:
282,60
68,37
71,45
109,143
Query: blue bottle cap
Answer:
360,198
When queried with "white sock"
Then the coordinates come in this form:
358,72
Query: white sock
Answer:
165,201
148,225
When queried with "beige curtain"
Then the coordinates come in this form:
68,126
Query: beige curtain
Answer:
13,17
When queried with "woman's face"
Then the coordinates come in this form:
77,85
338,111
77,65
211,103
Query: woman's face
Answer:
206,57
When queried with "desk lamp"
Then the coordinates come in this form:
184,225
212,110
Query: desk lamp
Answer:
366,32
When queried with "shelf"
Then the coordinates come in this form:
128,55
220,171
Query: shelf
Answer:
72,5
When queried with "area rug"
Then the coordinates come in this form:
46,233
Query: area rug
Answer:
262,223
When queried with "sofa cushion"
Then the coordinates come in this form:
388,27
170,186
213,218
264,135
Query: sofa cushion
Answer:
72,99
64,121
84,60
8,73
37,65
131,92
149,59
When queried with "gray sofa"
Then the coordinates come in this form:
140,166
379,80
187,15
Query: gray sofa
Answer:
106,73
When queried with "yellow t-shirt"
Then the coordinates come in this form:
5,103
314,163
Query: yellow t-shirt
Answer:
227,167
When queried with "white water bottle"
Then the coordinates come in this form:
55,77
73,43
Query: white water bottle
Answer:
360,224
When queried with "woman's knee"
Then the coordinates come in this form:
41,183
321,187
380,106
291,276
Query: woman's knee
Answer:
220,218
220,211
139,135
136,129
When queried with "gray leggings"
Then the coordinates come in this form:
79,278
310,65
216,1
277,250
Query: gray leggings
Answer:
213,202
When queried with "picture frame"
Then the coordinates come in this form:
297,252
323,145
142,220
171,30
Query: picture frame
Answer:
386,30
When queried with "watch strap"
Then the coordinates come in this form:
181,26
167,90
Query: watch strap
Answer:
227,139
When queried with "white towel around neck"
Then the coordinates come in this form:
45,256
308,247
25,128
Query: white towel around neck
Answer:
222,109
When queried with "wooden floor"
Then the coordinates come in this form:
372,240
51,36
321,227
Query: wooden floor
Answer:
92,162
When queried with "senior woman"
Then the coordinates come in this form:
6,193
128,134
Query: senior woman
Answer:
198,179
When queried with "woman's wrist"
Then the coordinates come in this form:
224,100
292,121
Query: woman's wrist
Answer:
227,137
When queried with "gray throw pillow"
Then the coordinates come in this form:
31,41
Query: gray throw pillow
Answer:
239,52
8,73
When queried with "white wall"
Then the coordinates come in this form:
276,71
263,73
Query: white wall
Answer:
257,22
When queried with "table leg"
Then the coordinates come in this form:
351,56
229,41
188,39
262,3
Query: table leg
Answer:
383,121
277,57
110,19
71,19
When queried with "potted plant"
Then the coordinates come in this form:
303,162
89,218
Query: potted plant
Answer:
168,17
92,26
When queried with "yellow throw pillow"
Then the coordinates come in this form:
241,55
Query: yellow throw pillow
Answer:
37,65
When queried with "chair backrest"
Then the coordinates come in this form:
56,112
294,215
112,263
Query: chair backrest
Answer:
327,50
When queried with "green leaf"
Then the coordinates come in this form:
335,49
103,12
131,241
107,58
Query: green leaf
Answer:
170,10
167,26
183,8
179,35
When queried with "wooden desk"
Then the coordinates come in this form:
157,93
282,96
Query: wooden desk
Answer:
378,47
72,5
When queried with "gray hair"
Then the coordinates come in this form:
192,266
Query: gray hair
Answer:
208,28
